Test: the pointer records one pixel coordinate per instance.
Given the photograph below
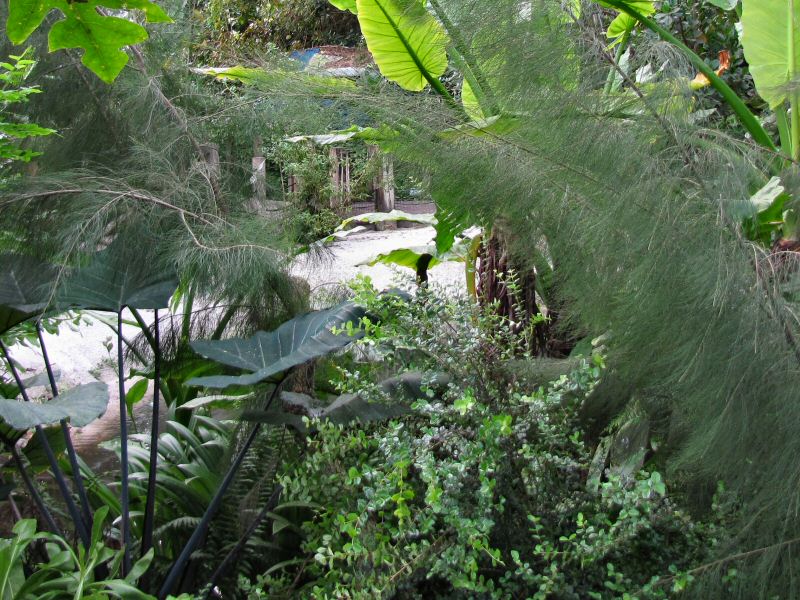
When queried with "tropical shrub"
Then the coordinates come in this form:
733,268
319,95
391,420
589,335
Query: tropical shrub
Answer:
45,566
483,491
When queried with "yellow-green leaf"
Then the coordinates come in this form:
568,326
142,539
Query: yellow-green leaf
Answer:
625,23
771,42
345,5
271,79
406,41
470,102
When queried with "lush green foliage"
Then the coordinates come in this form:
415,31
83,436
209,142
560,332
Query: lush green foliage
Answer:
64,573
482,491
520,476
102,37
12,76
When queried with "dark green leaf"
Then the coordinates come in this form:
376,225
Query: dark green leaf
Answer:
24,288
114,279
81,405
136,393
295,342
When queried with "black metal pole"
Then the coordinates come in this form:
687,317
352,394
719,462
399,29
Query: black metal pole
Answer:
125,524
149,510
73,457
51,458
31,486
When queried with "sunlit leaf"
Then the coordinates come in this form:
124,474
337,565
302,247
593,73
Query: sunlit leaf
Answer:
101,37
406,41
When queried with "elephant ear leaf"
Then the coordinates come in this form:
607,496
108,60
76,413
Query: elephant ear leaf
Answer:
346,5
266,354
101,37
114,279
771,44
24,288
406,41
624,23
81,405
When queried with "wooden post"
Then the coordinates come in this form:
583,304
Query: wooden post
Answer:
259,179
211,157
340,178
383,186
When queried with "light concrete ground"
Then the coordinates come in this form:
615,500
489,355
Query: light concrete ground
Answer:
88,353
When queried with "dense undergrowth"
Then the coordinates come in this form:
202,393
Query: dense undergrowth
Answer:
486,489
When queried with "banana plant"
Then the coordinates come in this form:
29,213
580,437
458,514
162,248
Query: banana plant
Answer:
633,8
771,44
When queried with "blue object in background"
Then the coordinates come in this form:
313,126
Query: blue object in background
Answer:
305,56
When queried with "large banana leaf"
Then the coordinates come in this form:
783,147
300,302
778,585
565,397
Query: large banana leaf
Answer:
390,217
271,79
265,354
406,41
115,279
81,405
771,43
24,288
345,5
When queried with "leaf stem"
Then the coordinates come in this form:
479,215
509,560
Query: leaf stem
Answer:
73,458
179,565
125,525
31,486
51,457
149,511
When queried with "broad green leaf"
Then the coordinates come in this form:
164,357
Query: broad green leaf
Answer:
766,196
771,43
34,450
625,23
25,285
448,227
135,394
102,37
724,4
217,401
272,79
339,235
266,354
390,217
405,257
406,41
345,5
346,409
81,405
115,279
493,126
384,137
409,257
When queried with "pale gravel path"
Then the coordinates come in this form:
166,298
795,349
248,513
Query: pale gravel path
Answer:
89,353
